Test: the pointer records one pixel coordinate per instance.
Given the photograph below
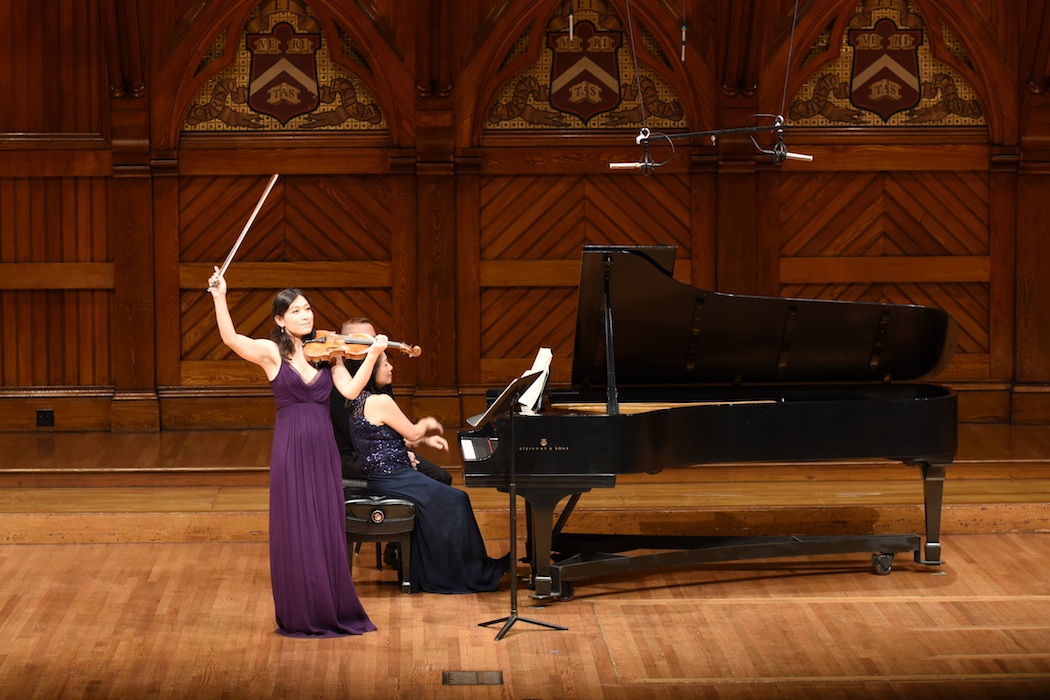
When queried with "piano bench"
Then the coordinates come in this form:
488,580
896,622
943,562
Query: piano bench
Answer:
379,519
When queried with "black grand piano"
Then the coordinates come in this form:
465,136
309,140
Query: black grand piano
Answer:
731,378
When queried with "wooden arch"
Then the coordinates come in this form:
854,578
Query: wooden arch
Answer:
989,73
693,81
179,70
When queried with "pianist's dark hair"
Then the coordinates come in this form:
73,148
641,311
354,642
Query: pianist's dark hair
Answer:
279,307
355,366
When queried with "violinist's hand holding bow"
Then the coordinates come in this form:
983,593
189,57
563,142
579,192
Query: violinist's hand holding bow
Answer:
217,283
260,351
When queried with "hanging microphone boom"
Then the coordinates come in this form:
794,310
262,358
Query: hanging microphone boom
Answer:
778,153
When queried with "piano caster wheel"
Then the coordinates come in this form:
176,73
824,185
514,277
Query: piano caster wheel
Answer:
882,563
566,592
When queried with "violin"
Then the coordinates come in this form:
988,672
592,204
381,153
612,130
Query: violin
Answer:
328,344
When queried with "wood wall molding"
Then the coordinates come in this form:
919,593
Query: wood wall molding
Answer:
40,158
914,270
56,275
305,275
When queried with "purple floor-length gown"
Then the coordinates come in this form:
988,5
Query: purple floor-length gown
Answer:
313,593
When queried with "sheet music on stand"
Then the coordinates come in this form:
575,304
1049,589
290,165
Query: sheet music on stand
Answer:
532,398
503,402
531,383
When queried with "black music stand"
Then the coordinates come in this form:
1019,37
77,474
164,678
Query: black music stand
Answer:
507,402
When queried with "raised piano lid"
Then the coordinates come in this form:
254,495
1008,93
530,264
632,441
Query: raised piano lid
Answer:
667,332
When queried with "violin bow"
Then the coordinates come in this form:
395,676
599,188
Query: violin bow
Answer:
251,219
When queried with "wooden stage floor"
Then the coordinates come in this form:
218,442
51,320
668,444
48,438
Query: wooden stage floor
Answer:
136,566
195,620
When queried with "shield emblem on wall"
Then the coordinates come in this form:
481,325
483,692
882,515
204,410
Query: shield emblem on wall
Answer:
585,73
885,76
283,80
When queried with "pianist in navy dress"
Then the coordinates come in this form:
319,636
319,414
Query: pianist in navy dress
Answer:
313,593
448,552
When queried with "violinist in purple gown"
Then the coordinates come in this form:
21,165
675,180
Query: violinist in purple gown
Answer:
313,593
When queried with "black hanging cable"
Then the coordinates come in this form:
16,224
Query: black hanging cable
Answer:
637,73
787,68
779,150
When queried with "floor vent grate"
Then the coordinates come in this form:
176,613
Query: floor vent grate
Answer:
472,678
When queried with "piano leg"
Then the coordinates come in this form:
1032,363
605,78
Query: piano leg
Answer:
933,496
541,505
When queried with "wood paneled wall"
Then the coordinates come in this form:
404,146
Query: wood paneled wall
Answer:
462,235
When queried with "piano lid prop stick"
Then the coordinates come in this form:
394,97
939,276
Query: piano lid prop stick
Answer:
251,220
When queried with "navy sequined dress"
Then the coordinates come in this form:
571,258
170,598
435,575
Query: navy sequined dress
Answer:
448,552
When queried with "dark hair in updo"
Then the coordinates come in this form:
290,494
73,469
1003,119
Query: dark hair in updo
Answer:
280,305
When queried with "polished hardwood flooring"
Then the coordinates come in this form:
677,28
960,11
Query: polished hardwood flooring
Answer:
136,566
195,620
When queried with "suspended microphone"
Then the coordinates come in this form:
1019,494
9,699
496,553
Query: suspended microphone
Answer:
779,152
646,164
